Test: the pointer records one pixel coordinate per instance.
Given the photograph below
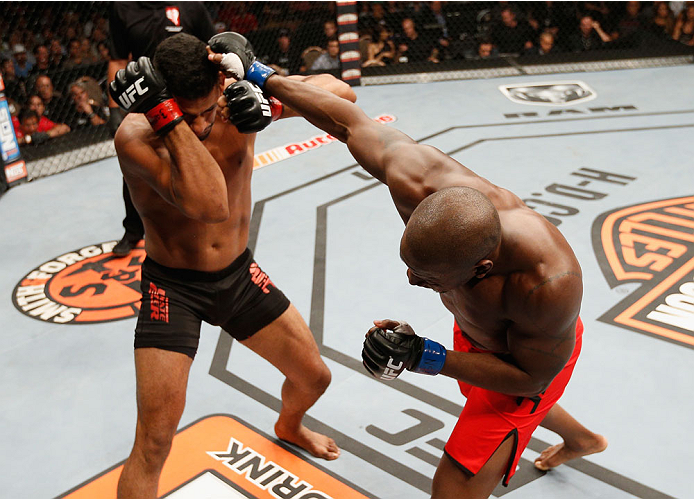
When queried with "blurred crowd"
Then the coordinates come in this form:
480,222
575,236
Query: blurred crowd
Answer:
398,32
54,54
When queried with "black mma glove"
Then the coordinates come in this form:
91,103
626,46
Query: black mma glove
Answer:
386,354
249,110
239,59
139,88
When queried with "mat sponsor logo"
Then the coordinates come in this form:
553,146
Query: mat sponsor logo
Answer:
84,286
559,93
252,466
295,148
651,244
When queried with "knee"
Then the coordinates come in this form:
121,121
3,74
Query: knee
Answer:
318,378
154,445
323,378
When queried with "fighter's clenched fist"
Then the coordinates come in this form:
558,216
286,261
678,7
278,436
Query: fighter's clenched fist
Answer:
139,88
394,346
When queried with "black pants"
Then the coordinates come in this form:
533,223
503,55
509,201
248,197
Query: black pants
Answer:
134,230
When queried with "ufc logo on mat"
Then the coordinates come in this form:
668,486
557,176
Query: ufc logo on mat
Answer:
127,98
391,371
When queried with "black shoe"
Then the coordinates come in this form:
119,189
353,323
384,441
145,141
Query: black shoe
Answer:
125,246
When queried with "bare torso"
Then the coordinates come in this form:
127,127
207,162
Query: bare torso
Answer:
175,240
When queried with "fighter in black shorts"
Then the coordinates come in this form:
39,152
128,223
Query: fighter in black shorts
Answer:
240,298
190,179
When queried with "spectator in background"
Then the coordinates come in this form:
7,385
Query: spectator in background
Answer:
599,11
57,53
36,104
88,107
381,49
663,20
283,57
43,62
104,51
329,32
589,36
27,133
684,27
98,36
393,14
545,45
330,59
486,49
435,19
548,16
22,65
413,47
14,87
57,107
629,26
512,36
89,55
32,127
75,55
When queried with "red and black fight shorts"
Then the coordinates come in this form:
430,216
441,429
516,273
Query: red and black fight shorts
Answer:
240,298
489,418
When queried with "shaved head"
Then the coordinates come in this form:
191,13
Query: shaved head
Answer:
455,227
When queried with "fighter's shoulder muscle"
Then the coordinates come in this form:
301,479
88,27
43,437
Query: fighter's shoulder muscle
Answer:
549,287
414,171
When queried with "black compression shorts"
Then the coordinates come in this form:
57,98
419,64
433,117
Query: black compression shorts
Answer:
240,298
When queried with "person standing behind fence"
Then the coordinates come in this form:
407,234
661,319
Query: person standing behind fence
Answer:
136,28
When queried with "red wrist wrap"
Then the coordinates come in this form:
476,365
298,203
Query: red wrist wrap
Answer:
276,108
164,116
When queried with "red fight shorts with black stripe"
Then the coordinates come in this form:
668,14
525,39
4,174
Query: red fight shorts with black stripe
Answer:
489,418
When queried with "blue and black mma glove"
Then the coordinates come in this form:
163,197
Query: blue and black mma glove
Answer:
239,60
387,353
250,110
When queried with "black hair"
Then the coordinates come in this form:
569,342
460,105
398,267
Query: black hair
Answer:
182,61
27,113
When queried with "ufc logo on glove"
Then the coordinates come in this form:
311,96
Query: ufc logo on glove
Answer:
391,371
127,98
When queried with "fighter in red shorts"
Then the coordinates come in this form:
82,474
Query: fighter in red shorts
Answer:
507,275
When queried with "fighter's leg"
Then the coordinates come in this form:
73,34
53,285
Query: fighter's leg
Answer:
578,440
287,343
451,482
162,377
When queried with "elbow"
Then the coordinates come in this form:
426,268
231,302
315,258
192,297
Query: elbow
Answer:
348,93
534,388
343,90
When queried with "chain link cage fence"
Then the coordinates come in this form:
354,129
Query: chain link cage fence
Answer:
55,55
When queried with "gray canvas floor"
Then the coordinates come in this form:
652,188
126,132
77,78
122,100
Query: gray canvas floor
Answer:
328,235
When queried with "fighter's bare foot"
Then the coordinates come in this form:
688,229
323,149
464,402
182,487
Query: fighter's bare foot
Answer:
555,455
316,444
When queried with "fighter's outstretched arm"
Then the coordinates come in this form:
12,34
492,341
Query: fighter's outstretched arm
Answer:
368,141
